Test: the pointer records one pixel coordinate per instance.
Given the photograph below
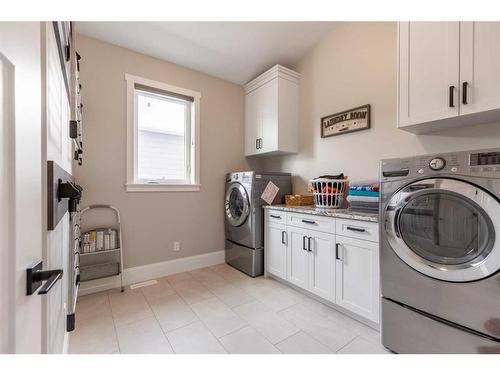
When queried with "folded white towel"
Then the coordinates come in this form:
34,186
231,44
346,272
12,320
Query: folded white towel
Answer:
357,198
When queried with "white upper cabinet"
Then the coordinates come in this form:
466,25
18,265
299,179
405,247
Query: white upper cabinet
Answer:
271,112
448,74
479,66
428,71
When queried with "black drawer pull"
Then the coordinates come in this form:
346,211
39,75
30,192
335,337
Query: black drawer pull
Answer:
283,233
275,216
308,221
356,229
464,93
309,243
452,89
304,243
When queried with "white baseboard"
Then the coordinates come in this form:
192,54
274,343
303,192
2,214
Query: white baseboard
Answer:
152,271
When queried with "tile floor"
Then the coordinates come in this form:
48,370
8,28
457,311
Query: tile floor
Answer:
215,310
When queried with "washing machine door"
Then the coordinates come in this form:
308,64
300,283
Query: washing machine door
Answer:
445,229
237,204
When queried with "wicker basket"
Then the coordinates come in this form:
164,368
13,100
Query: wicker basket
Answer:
299,200
329,193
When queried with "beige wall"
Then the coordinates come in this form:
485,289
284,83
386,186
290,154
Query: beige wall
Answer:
355,64
152,221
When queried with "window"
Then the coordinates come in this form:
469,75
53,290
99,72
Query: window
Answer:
162,137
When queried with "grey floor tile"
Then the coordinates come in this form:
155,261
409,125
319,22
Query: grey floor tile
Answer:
194,338
247,341
302,343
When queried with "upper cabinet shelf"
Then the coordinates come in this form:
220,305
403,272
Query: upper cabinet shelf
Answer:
448,74
272,113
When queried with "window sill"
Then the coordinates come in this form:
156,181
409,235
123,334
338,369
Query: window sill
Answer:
137,188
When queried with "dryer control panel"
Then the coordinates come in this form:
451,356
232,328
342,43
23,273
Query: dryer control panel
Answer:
485,163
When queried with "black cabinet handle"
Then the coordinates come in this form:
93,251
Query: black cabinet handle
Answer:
464,92
257,144
304,243
356,229
308,221
309,243
337,245
452,90
260,143
275,216
283,233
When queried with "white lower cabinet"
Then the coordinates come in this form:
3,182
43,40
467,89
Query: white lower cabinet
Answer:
311,261
322,264
341,269
298,257
276,246
357,276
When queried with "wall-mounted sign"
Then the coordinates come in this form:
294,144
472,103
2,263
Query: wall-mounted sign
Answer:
348,121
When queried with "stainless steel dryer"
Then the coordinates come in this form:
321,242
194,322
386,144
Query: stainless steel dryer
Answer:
244,218
440,253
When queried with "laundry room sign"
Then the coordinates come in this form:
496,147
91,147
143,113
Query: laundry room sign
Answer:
348,121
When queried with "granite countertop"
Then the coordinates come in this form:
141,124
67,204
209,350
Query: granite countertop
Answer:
332,212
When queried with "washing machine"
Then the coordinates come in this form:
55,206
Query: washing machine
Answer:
440,253
244,217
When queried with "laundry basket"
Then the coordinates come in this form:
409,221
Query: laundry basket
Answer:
328,193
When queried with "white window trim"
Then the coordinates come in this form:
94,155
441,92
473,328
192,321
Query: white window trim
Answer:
132,185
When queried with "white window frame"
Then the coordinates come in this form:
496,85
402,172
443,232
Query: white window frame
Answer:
133,184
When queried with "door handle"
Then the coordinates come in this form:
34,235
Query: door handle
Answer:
356,229
308,221
304,243
309,243
337,245
35,276
451,92
464,92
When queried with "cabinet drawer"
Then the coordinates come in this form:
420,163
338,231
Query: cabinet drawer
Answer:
363,230
276,216
315,222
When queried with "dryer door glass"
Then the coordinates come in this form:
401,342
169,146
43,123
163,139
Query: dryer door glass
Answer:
445,228
237,205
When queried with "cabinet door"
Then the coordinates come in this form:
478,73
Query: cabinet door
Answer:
268,105
428,72
322,264
297,258
357,277
275,249
252,122
479,66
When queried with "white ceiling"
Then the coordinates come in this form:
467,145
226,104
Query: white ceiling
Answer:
234,51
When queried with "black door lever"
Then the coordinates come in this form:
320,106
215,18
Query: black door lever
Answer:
35,276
